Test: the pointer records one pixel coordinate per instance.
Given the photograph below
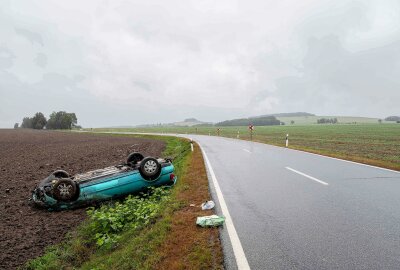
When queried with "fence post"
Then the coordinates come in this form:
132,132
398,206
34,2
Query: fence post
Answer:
287,140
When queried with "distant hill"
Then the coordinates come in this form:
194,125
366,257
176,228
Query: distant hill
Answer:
392,118
263,120
256,121
189,122
298,118
295,118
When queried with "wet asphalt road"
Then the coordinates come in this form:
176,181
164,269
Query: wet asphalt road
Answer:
296,210
286,219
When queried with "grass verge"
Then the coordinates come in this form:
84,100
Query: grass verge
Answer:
169,238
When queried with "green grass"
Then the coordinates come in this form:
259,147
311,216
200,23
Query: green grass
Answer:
375,144
101,244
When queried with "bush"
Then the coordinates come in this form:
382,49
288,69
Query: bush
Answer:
135,212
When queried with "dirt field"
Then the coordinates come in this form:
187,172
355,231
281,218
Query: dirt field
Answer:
26,157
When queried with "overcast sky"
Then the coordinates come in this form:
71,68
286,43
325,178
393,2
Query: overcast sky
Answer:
137,62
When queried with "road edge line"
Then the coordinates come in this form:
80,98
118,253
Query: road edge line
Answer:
238,251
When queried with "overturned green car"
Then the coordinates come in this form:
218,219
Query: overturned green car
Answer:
62,191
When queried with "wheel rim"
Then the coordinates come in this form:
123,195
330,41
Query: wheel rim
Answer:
150,166
65,190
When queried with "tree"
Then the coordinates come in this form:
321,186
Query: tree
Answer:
62,120
73,119
39,121
292,122
380,121
16,125
26,122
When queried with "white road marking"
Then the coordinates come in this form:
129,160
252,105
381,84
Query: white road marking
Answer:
309,177
339,159
240,257
248,151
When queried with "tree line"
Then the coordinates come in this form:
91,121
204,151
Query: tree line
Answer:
327,121
255,121
57,120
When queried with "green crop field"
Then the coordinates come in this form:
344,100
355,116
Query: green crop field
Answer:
375,144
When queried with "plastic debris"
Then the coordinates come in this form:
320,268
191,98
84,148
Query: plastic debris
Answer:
207,205
210,221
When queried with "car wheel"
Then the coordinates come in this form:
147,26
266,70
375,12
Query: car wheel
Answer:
134,158
150,168
60,174
65,190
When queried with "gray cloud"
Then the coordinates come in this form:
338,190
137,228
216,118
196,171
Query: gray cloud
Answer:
32,37
134,62
6,58
41,60
332,77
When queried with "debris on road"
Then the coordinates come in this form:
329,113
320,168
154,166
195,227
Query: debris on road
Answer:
210,221
207,205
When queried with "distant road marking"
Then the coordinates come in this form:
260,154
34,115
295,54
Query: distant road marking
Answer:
248,151
240,257
309,177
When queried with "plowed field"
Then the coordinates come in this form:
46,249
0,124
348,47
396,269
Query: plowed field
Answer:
28,156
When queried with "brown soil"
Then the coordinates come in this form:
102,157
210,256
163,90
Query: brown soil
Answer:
28,156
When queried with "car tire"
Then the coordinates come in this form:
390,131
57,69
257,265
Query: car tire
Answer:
134,158
65,190
150,169
60,174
